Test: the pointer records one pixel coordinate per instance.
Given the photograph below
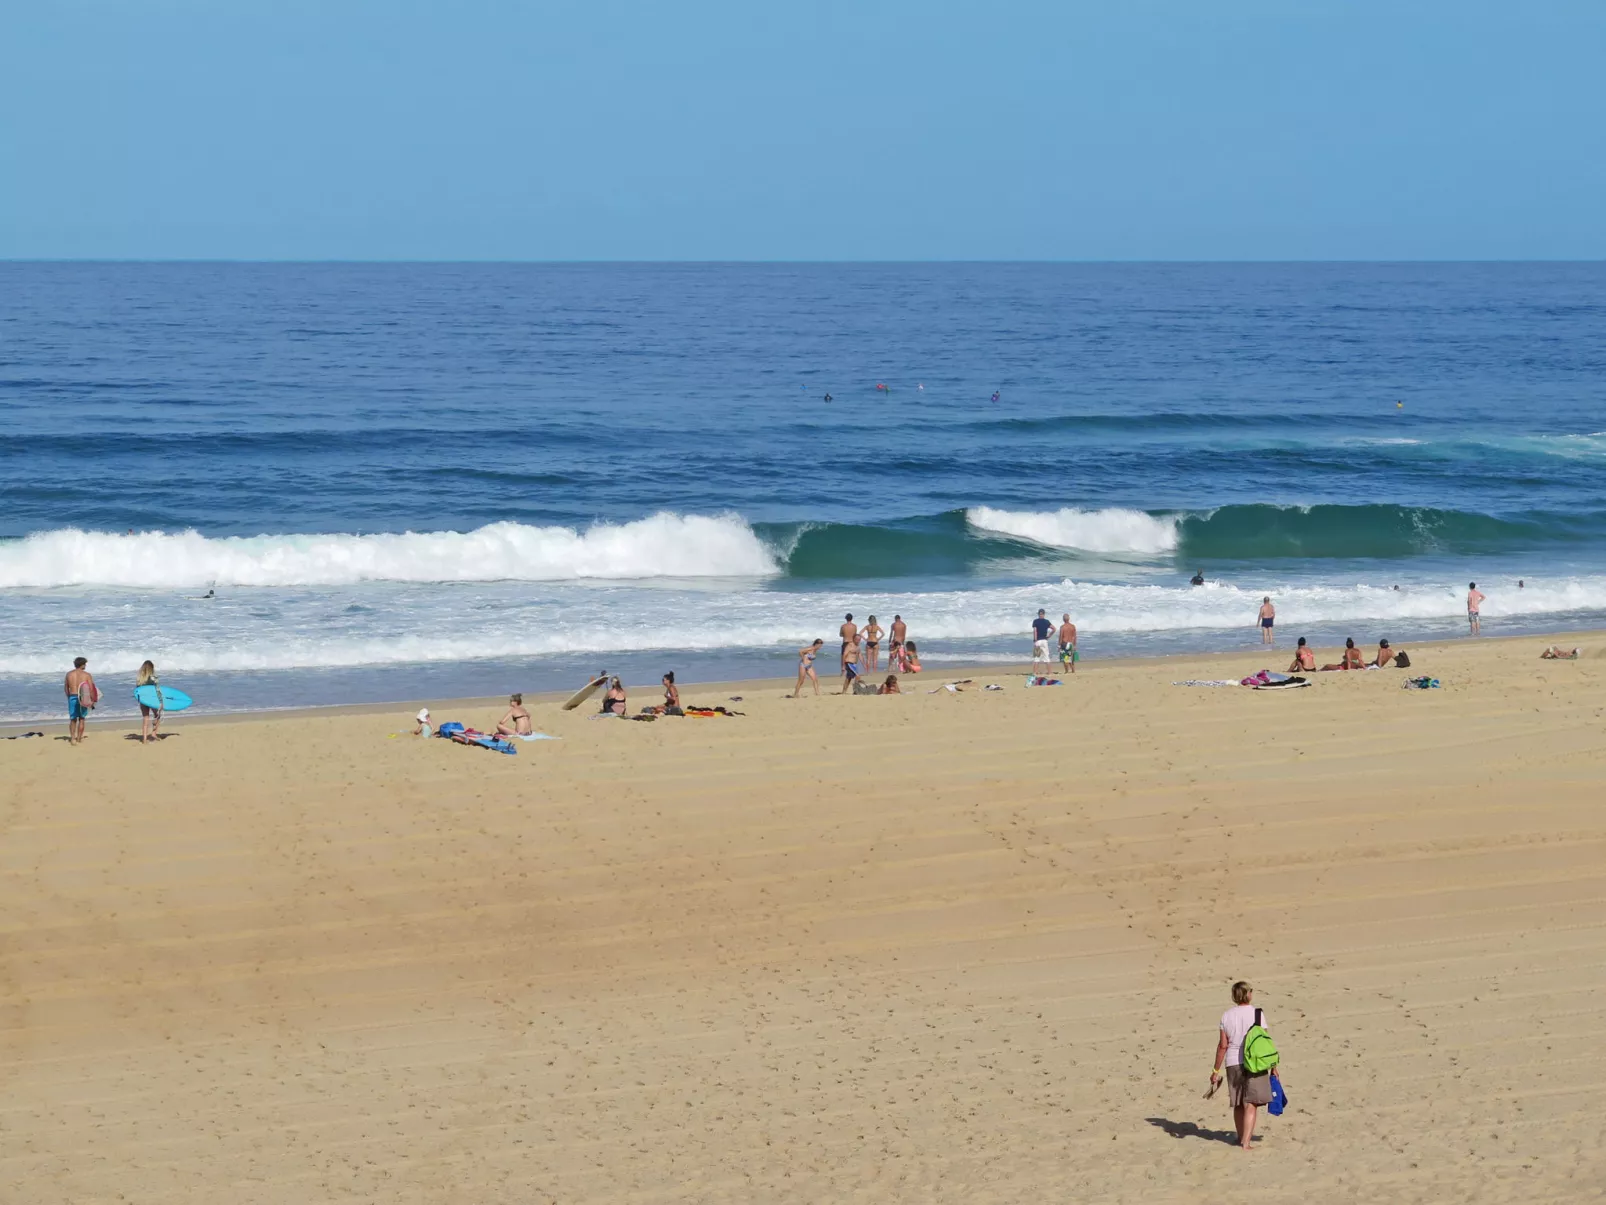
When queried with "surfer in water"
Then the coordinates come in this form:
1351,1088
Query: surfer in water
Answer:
1197,579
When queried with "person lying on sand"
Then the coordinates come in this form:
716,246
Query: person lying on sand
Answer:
517,721
1304,658
1352,657
890,686
1556,653
1385,655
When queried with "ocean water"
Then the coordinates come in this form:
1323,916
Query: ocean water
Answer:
406,481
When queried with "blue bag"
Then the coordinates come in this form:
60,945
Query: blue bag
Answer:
1279,1098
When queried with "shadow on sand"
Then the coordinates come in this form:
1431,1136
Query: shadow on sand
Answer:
1188,1129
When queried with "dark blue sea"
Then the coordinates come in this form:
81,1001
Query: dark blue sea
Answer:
414,481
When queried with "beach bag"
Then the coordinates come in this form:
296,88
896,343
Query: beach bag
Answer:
449,729
1402,659
1259,1051
1279,1098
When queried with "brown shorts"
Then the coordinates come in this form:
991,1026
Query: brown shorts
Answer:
1248,1089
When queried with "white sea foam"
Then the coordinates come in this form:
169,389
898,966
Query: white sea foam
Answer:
393,624
1113,530
662,545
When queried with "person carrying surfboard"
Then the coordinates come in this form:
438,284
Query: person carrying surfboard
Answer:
82,695
150,724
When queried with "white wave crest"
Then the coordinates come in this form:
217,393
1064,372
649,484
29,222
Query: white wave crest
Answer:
1111,530
662,545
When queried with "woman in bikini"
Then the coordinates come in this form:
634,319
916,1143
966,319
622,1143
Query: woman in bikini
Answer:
671,704
517,721
911,658
870,637
1352,657
805,668
1304,659
613,703
890,686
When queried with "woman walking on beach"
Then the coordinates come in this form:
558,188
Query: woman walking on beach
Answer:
150,724
1245,1093
805,668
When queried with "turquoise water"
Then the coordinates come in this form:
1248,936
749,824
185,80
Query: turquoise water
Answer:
404,481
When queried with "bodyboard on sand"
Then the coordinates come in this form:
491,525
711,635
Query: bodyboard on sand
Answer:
585,692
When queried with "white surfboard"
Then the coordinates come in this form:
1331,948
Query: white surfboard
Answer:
585,692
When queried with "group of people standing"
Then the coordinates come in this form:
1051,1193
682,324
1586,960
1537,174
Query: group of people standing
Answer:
861,655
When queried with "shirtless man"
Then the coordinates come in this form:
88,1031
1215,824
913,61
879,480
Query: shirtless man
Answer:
1268,617
850,663
1068,654
1474,601
899,630
872,646
1385,655
517,721
849,631
82,695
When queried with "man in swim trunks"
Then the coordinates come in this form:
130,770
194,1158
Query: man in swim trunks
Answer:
1268,617
850,665
849,631
1041,631
899,630
1474,601
82,695
1068,654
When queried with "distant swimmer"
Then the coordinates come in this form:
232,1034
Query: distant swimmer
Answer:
829,398
1197,579
920,387
209,594
996,394
1475,599
1399,405
882,387
1519,583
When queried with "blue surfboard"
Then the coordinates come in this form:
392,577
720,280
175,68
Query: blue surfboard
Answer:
169,700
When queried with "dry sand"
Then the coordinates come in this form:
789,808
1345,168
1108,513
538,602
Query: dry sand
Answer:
967,948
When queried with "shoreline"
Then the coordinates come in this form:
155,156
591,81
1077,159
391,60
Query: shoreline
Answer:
438,707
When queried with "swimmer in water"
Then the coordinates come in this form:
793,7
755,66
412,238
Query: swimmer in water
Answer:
1197,579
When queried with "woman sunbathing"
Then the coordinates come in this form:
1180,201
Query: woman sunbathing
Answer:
1555,653
1352,657
517,721
1304,658
890,686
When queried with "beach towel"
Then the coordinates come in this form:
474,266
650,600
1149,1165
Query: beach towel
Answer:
537,736
1043,682
472,736
1420,684
1208,682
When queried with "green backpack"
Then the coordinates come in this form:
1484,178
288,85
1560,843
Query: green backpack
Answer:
1259,1052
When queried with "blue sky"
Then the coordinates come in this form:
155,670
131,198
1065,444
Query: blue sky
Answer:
819,129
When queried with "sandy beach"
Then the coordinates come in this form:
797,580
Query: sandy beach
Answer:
942,947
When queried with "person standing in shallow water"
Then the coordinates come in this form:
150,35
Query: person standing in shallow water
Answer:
1268,619
1245,1093
1475,598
